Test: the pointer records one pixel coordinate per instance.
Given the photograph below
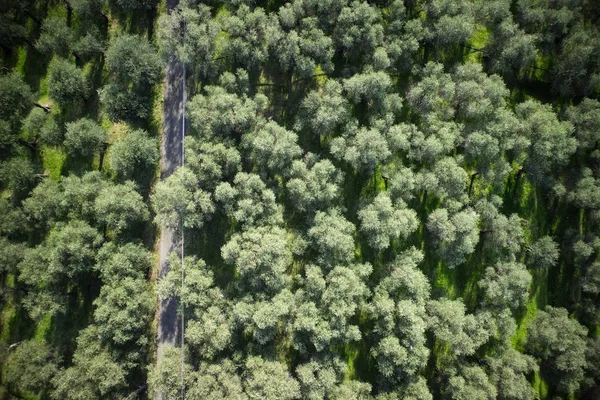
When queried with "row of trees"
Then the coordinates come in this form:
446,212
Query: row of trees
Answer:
78,158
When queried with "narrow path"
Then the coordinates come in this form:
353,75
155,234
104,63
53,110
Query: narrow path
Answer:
170,159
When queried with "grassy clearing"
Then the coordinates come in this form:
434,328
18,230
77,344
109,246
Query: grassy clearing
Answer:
531,309
479,40
53,159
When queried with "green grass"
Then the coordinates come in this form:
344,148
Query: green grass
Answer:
43,328
531,309
540,386
479,40
352,352
53,159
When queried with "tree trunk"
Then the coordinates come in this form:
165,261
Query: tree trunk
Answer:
45,108
136,393
102,153
473,176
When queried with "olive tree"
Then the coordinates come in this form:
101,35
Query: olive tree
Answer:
454,235
84,138
331,236
134,154
314,184
559,342
179,198
261,256
66,82
384,222
249,201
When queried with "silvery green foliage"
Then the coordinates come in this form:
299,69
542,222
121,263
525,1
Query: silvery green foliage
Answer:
358,32
179,197
55,36
212,163
261,256
506,285
585,117
447,180
503,235
84,138
331,236
121,207
559,342
591,279
543,253
464,333
131,58
314,184
477,95
509,371
327,305
433,140
550,19
351,390
95,371
209,332
248,35
576,72
269,380
550,141
587,191
398,309
449,22
123,312
369,88
31,367
383,222
271,147
469,382
199,290
134,153
200,32
434,94
222,114
216,381
319,377
323,112
249,201
300,45
402,183
362,148
118,262
512,49
455,235
403,37
66,82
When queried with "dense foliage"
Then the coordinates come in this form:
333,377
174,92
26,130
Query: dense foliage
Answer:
392,199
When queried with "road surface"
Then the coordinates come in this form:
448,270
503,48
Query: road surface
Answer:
168,332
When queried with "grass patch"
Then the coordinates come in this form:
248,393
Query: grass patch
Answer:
43,328
540,386
479,40
53,159
531,309
352,352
